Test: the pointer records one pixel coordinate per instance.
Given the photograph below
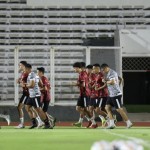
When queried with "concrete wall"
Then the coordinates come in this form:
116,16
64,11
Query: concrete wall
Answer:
103,56
135,43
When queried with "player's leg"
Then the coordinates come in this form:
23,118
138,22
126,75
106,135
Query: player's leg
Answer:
108,107
28,107
88,116
38,119
37,106
101,102
6,117
80,109
86,110
20,106
81,112
20,112
31,115
92,108
45,100
51,119
118,105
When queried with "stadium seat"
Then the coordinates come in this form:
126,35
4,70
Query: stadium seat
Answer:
21,24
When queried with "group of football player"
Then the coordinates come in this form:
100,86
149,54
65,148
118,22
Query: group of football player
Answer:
100,93
35,97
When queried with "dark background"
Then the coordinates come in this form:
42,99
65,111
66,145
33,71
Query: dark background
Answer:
136,87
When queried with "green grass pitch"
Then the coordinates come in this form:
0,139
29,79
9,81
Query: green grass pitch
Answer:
67,138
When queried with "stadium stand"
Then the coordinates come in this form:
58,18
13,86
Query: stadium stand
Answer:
21,18
21,24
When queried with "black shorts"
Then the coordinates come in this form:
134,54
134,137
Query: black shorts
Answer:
115,101
98,102
34,101
102,102
45,105
83,101
93,102
23,99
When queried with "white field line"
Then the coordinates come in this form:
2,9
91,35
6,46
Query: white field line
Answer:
137,140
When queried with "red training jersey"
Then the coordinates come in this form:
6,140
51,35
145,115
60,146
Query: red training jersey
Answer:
103,92
45,94
83,84
23,79
92,83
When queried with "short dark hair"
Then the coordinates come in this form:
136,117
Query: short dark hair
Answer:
96,65
77,64
23,62
83,64
104,66
41,69
28,66
89,67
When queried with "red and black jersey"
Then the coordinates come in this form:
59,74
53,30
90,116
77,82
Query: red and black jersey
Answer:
103,92
92,84
45,94
23,79
83,84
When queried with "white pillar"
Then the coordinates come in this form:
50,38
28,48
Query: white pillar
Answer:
88,56
16,75
52,75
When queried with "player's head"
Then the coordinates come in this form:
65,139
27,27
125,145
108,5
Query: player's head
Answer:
96,68
28,67
83,65
105,68
22,65
40,71
89,69
77,67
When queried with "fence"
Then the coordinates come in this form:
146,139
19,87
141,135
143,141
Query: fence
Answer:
58,63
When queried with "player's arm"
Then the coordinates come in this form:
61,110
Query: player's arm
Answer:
40,83
74,83
121,81
31,84
44,88
22,84
111,81
45,85
18,80
82,84
91,84
99,88
83,80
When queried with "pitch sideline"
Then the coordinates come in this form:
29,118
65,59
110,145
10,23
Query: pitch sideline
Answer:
137,140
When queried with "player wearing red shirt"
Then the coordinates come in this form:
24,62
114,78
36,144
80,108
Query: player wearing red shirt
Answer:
102,90
25,94
83,100
93,98
45,94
